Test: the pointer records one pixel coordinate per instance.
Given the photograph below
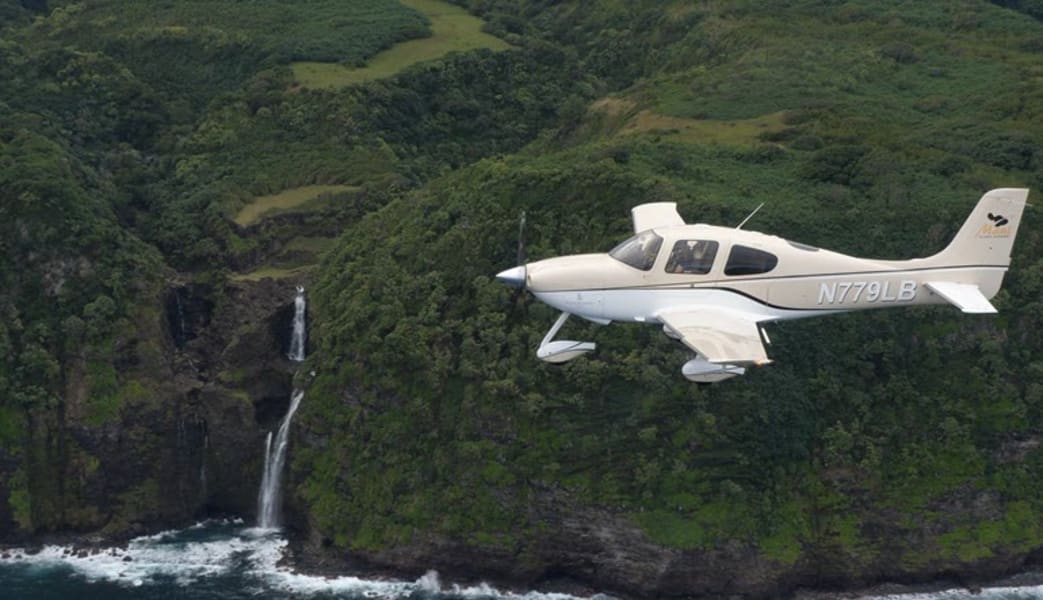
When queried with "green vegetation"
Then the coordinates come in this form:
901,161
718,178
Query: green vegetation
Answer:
621,116
452,30
861,415
312,245
738,132
191,50
130,138
327,30
141,501
20,502
285,201
103,401
138,142
271,273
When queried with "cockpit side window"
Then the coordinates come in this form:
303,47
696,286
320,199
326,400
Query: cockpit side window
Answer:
639,251
694,257
743,260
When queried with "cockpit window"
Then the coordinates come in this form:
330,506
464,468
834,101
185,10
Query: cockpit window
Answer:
639,251
743,260
692,257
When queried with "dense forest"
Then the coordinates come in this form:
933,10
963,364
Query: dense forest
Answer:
141,147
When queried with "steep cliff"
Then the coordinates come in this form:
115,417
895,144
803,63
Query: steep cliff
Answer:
199,384
156,214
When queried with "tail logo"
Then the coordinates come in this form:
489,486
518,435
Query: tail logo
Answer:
998,226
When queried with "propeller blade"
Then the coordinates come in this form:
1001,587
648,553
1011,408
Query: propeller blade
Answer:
521,239
515,276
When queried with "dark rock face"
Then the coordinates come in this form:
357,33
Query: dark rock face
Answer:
202,378
8,464
583,550
188,310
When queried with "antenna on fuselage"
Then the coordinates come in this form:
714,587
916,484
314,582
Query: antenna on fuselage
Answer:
749,216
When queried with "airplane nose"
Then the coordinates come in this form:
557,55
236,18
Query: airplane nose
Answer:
513,277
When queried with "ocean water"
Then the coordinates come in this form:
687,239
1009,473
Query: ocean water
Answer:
225,560
988,593
218,560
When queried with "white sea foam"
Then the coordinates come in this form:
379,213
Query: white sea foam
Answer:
219,548
988,593
252,554
136,564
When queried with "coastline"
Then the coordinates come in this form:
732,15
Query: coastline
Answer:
306,555
1030,578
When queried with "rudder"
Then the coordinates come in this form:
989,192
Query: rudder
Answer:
987,236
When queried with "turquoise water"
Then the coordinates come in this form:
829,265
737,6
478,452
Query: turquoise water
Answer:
213,560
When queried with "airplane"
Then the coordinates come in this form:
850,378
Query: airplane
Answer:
713,288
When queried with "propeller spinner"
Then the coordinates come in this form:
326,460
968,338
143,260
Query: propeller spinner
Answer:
514,276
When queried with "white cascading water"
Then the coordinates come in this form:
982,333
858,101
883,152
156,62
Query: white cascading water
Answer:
300,336
269,499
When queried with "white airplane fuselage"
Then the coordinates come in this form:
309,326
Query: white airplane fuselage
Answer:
602,289
670,273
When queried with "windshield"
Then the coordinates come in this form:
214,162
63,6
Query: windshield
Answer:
639,251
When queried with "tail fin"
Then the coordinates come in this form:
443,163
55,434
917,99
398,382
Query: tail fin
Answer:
987,235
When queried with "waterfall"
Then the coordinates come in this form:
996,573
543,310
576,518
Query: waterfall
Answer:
300,336
269,498
265,494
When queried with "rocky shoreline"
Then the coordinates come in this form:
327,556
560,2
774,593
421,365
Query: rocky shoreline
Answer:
459,565
1032,577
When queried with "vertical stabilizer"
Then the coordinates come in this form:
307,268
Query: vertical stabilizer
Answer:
987,235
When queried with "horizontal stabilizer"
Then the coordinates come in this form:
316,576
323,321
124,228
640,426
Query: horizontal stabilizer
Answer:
967,297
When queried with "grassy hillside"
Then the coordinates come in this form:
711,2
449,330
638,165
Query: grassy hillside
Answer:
131,138
193,50
870,128
284,201
452,30
139,141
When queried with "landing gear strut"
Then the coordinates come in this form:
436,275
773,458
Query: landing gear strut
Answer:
562,350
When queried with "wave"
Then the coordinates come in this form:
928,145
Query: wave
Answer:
212,550
987,593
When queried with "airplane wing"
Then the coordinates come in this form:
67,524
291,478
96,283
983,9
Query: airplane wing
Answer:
655,214
721,336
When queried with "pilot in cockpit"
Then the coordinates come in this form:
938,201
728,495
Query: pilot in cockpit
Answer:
690,256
